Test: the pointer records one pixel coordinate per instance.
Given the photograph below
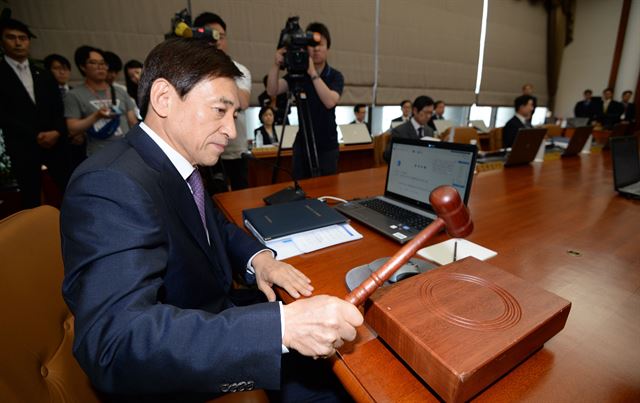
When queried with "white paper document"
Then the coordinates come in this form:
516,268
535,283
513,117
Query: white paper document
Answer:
309,241
442,253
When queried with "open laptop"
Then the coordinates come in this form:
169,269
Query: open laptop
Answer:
416,168
289,136
524,149
626,165
355,133
479,126
577,122
574,145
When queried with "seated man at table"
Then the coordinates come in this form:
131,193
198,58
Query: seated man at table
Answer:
149,261
524,109
416,127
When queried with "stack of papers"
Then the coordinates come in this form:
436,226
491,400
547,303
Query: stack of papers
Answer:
442,253
309,241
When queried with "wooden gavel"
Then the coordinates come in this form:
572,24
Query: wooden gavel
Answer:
453,215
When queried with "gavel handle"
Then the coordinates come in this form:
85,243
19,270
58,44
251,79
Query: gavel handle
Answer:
368,287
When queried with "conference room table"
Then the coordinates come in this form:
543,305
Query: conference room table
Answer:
559,225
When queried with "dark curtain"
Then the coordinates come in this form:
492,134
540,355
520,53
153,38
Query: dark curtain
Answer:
559,34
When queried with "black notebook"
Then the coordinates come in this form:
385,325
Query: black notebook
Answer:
284,219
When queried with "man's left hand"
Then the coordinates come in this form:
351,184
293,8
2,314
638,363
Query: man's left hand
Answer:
270,272
48,139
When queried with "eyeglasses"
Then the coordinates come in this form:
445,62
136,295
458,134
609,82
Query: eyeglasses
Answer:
99,63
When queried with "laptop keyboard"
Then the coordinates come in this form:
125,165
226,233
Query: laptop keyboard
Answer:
400,214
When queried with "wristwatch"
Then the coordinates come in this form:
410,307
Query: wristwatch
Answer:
315,77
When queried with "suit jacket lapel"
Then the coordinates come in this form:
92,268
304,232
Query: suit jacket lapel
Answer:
11,75
177,191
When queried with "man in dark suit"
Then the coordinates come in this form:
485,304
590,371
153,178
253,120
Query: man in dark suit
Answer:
608,110
416,127
406,111
31,115
629,114
584,108
438,114
149,260
524,109
359,112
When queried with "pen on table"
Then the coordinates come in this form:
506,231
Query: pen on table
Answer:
455,251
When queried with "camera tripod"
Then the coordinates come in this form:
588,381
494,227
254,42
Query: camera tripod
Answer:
298,94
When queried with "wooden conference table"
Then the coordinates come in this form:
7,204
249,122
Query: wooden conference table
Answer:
558,224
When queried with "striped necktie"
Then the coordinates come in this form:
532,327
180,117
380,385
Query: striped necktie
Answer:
197,188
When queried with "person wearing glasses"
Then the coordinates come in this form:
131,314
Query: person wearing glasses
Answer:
31,115
97,112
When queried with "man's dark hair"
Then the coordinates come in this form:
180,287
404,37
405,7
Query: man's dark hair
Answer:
183,63
10,23
608,89
587,91
82,54
207,18
404,102
322,30
522,100
114,63
626,92
54,57
421,102
438,102
358,106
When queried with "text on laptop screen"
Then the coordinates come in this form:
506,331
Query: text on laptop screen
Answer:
414,171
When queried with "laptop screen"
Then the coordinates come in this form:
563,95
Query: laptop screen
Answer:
626,162
417,167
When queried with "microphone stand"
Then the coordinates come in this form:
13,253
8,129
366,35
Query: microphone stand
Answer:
285,195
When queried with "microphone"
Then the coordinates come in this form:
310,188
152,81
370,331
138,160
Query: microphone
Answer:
285,195
185,31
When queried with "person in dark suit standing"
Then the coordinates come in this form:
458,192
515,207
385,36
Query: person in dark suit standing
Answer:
149,260
608,110
584,108
524,109
438,114
405,106
416,127
360,113
31,115
629,114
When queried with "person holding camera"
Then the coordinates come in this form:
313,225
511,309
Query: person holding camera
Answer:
323,86
97,112
235,168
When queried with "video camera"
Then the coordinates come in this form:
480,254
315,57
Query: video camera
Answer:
295,40
181,26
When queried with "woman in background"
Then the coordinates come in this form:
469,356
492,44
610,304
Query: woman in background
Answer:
265,134
132,72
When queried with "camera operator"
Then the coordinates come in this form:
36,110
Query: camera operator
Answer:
235,168
323,86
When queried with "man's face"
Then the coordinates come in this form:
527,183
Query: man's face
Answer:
440,109
16,44
527,109
607,95
406,109
201,125
95,68
360,114
527,89
422,116
222,41
626,97
60,72
320,52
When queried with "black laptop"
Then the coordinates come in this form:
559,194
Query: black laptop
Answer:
523,151
573,146
626,165
416,167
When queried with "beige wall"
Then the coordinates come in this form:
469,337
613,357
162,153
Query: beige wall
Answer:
586,62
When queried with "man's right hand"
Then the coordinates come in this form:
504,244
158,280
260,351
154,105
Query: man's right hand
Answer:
279,59
317,326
